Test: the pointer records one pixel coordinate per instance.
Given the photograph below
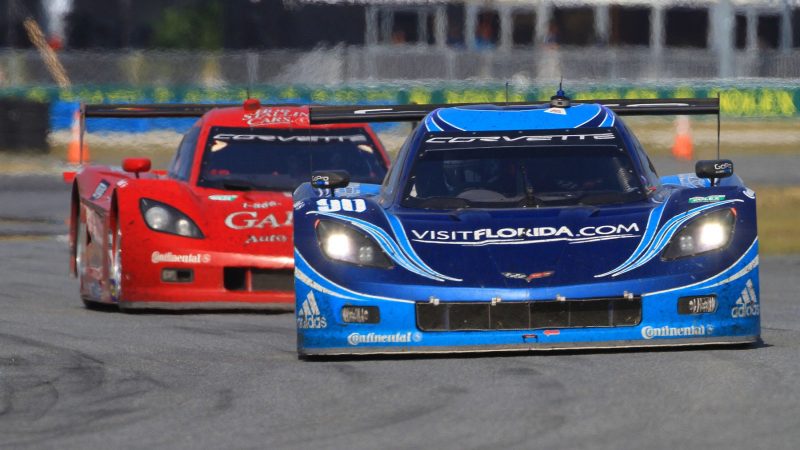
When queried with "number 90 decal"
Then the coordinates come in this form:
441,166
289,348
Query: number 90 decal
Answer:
341,204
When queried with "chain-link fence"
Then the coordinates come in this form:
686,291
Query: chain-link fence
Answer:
337,65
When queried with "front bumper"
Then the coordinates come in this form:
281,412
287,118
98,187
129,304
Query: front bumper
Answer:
322,331
219,280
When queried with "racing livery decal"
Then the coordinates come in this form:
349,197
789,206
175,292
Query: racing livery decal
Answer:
308,315
100,190
747,304
667,331
272,116
536,235
653,242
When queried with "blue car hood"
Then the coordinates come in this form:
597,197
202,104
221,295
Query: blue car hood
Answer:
523,248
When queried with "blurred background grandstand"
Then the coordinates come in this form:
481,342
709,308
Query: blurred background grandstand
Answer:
236,42
55,54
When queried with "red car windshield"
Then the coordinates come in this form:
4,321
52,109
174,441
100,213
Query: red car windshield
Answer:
275,159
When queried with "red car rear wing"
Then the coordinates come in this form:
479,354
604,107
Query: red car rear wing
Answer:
402,113
138,111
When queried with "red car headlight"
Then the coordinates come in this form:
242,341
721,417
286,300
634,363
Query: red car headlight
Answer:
166,219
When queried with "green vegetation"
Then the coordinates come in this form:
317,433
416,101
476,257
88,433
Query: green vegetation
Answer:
195,27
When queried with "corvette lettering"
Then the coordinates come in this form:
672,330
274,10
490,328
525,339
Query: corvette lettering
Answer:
169,257
245,220
291,139
525,234
512,139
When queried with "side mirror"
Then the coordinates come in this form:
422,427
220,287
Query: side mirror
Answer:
330,179
714,169
136,165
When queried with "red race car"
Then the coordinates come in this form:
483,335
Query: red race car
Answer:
215,229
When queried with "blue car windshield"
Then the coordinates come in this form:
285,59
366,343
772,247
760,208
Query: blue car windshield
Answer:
282,159
521,169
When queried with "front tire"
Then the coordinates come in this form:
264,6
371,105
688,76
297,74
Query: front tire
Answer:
81,242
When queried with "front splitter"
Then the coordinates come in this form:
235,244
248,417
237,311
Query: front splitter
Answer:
188,306
628,344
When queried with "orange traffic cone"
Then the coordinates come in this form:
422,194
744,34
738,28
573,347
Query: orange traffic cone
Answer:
76,155
683,149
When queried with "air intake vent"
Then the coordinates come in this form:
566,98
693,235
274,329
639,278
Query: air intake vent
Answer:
258,280
457,316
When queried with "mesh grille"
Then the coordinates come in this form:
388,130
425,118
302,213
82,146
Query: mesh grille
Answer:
603,312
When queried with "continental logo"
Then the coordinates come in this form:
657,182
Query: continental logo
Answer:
649,332
190,258
378,338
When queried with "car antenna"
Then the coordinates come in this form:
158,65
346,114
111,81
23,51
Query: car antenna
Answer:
719,112
506,93
560,100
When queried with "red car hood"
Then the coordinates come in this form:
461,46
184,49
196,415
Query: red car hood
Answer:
257,222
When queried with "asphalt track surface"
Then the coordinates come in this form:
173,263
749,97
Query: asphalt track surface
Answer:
74,378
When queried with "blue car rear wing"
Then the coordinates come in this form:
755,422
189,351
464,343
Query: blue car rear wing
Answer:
401,113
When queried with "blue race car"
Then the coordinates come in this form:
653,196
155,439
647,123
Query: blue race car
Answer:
524,227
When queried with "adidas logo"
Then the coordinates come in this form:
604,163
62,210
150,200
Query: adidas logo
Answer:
747,304
308,315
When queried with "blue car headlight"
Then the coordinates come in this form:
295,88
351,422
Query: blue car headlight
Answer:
344,243
709,232
166,219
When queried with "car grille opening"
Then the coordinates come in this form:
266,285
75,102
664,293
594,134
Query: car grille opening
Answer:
580,313
257,280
